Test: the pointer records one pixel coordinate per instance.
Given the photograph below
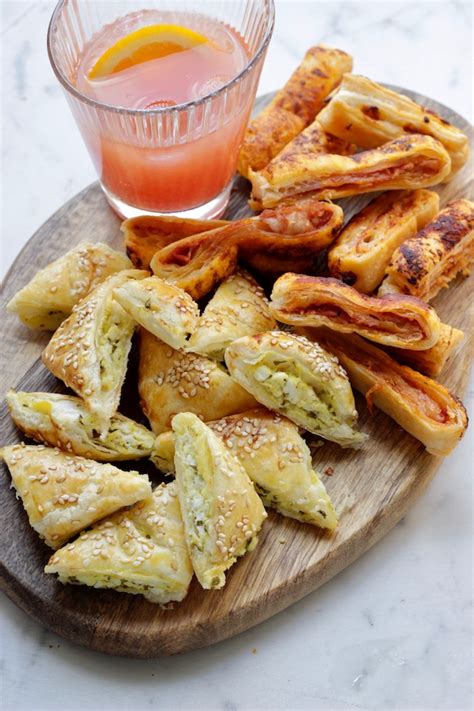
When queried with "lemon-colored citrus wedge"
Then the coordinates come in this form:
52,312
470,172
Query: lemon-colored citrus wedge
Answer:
151,42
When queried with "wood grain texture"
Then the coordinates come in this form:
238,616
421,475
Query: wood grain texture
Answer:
371,488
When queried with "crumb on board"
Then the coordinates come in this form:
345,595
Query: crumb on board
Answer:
329,471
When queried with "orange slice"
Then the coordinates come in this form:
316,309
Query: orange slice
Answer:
151,42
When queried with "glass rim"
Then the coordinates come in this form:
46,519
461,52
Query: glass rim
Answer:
161,109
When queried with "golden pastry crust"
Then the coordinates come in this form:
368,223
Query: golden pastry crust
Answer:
53,292
432,361
397,320
65,422
221,510
369,114
140,550
298,379
409,162
362,251
426,263
63,494
170,382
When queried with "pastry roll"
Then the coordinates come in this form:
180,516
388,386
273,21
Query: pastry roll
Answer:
222,512
89,351
62,494
238,308
409,162
140,550
50,296
423,407
275,457
170,382
165,310
368,114
400,321
426,263
293,107
65,422
432,361
298,379
363,249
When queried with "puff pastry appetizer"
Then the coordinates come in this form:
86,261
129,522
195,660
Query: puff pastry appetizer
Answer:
168,312
432,361
423,407
238,308
50,296
65,422
275,457
170,382
293,107
298,379
62,494
221,510
362,251
425,264
368,114
140,550
89,350
397,320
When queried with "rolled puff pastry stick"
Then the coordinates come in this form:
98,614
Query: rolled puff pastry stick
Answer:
409,162
368,114
221,510
423,407
168,312
62,494
275,457
426,263
397,320
298,379
50,296
170,382
238,308
65,422
142,551
432,361
89,351
293,107
362,251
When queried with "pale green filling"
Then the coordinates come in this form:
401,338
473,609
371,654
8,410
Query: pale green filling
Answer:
112,347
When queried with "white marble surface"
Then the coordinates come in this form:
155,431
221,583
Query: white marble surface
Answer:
394,630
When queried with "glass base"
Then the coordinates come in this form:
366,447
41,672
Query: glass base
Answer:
209,210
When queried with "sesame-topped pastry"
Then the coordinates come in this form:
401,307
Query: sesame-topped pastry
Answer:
140,550
221,510
298,379
168,312
275,457
89,351
50,296
238,308
64,421
170,381
63,494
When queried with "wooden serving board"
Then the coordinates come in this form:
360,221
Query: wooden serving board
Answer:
371,488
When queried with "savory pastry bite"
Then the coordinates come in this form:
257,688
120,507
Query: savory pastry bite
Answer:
423,407
140,550
62,494
397,320
432,361
65,422
221,510
426,263
369,114
362,251
164,309
275,457
170,381
298,379
50,296
238,308
89,351
293,107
